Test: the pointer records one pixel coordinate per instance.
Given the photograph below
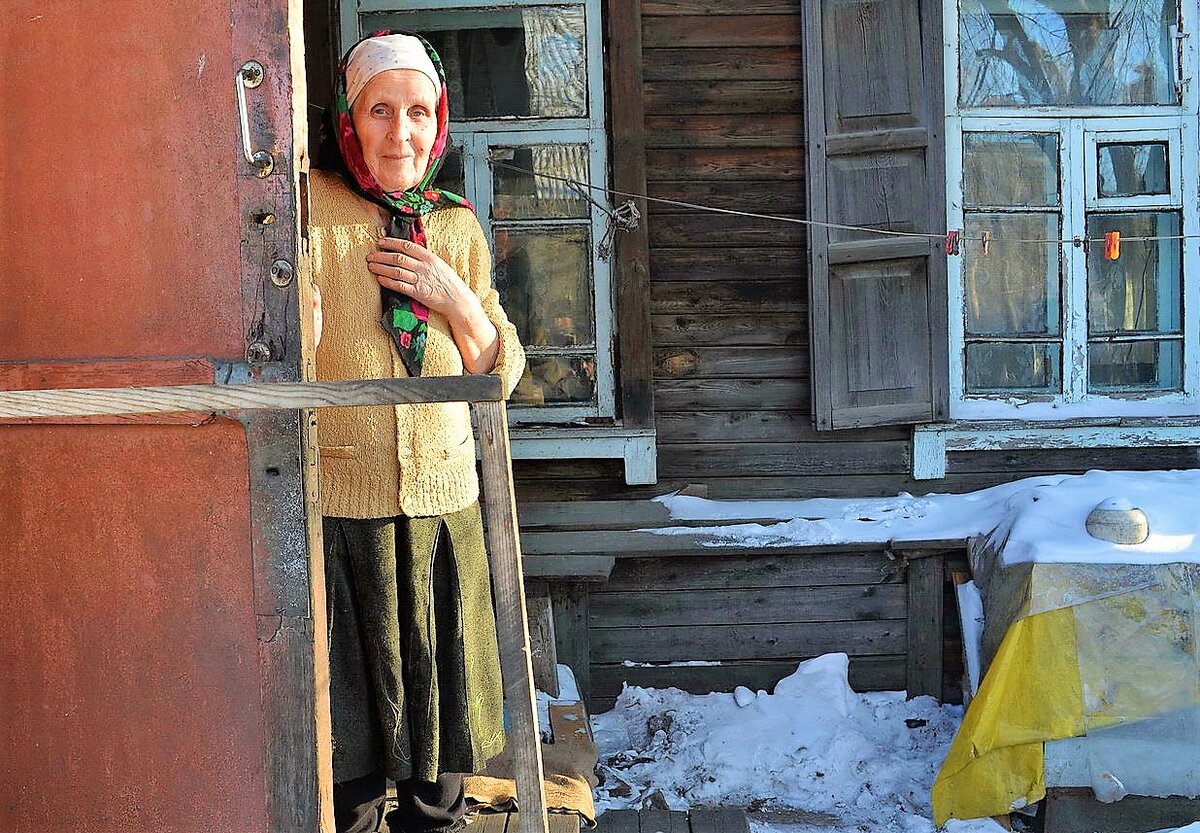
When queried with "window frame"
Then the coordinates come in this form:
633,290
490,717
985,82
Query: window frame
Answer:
1080,129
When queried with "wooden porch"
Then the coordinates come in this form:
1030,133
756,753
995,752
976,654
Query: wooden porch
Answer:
699,820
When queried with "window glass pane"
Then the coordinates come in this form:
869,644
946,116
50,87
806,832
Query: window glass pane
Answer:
551,380
1027,368
1015,290
1010,169
1066,52
504,62
544,280
452,176
1141,290
1135,365
521,196
1128,170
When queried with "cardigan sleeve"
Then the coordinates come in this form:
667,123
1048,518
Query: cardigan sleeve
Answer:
510,361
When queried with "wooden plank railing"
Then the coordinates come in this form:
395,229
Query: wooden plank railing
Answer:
485,396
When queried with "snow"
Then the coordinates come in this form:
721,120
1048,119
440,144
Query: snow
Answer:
812,755
1041,518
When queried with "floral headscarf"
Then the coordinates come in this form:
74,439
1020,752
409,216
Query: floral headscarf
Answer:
406,320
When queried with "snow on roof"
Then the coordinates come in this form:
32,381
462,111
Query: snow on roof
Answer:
1042,517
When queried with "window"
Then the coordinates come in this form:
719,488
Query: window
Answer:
1068,120
526,93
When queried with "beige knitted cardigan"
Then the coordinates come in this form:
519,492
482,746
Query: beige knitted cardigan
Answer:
382,461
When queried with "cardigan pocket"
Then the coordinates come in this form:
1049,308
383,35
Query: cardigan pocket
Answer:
344,452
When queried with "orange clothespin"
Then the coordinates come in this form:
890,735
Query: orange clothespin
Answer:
985,248
1112,245
952,245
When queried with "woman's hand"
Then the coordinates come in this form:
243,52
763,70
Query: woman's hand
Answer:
413,270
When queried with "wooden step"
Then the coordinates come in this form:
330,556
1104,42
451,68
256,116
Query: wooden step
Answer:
697,820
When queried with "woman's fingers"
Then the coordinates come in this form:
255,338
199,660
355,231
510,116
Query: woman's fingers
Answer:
405,247
396,274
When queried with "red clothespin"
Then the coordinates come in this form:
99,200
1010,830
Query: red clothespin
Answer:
952,245
985,248
1112,245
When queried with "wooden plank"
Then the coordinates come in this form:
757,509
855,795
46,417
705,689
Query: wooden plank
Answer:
264,396
571,515
625,544
663,821
748,606
925,579
489,822
696,229
702,97
691,264
571,614
543,652
725,642
617,821
719,820
750,426
836,459
1076,810
720,164
565,823
722,64
721,31
818,568
553,566
766,330
539,483
867,673
729,362
763,131
631,264
674,7
782,195
504,556
716,297
688,395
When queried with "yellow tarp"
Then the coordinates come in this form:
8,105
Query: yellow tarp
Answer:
1063,672
1031,694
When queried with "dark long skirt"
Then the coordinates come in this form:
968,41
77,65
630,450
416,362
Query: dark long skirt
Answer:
414,666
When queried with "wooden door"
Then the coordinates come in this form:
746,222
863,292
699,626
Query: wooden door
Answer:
161,648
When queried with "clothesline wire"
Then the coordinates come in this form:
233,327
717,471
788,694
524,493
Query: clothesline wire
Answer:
1075,241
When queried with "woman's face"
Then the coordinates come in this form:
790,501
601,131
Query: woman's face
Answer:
395,117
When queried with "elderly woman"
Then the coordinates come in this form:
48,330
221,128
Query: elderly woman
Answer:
403,272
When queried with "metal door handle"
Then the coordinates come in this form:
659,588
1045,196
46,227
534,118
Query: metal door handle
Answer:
248,77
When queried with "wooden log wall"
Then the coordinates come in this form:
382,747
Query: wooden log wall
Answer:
723,95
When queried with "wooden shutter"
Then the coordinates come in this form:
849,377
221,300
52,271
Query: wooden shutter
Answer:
876,158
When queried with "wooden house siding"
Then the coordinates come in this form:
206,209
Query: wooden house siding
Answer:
723,97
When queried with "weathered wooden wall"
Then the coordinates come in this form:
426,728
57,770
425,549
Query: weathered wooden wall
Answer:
724,126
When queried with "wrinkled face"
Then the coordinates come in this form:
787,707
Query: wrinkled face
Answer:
395,117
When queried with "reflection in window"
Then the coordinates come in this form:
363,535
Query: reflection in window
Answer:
1140,291
1010,169
504,62
1135,365
543,277
1066,52
1133,170
1015,290
557,380
543,194
1013,367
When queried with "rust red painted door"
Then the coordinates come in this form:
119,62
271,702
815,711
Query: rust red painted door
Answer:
158,660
